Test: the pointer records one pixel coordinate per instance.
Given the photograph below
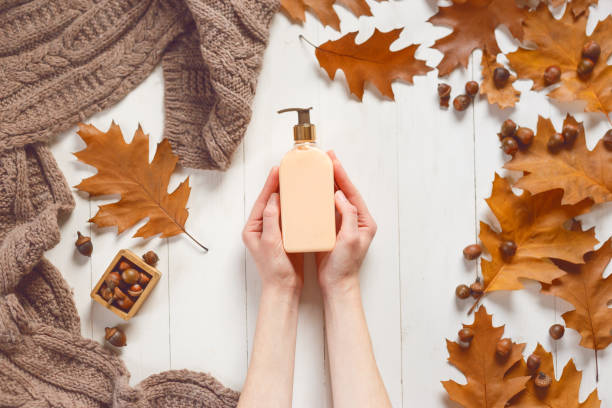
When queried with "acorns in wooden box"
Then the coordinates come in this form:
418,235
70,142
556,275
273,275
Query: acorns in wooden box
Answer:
126,284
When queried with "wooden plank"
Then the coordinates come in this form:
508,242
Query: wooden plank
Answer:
148,350
76,268
364,137
286,69
207,290
436,217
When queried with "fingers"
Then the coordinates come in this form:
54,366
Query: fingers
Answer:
269,187
271,220
349,189
348,228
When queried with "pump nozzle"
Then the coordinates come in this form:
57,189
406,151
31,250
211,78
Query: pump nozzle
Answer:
304,130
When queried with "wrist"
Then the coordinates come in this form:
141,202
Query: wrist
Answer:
283,290
341,288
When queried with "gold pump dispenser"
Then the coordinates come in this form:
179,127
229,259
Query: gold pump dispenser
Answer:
304,131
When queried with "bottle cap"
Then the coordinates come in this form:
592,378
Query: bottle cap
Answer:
304,131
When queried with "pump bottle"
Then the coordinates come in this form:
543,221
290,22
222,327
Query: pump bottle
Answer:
306,177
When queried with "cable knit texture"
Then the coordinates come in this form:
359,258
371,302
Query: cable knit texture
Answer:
60,62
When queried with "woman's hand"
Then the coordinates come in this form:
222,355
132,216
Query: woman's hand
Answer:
338,269
262,236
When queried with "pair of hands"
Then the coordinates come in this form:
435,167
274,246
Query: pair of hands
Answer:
336,270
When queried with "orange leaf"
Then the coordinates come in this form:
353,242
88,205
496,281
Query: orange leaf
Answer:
560,394
324,10
474,23
559,42
505,97
124,169
486,385
580,172
584,287
578,7
371,61
535,224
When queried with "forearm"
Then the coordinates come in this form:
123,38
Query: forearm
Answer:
269,380
356,381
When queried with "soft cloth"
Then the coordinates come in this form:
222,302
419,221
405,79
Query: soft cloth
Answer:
61,61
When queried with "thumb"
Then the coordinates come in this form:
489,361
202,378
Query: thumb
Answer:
348,211
271,221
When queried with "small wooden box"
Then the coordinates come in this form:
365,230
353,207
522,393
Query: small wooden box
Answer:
137,261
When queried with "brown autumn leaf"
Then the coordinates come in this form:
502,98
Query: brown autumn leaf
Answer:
578,7
370,61
474,23
124,169
486,385
535,224
585,288
560,394
580,172
559,42
323,10
505,97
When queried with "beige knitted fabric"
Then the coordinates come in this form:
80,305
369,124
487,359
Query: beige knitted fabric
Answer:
60,62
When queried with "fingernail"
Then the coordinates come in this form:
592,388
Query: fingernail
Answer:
341,195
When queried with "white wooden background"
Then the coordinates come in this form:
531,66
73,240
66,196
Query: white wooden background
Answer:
424,173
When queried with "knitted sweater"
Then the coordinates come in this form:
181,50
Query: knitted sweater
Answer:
60,62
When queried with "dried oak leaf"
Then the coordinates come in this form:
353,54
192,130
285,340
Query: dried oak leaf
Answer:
474,23
585,288
505,97
559,42
124,169
370,61
581,173
535,224
323,10
578,7
560,394
486,385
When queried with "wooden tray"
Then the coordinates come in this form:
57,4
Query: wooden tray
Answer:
140,263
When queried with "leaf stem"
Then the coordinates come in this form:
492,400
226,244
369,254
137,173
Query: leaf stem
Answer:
596,367
195,240
301,37
475,304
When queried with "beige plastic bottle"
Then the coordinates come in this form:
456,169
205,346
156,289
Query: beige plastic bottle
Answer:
307,192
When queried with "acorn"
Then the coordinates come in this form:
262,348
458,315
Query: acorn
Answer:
556,331
472,252
135,290
466,334
123,265
542,380
570,133
500,77
585,68
555,142
591,50
115,336
123,301
130,276
503,348
112,280
507,250
524,136
83,244
151,258
143,279
552,75
462,291
477,289
533,362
